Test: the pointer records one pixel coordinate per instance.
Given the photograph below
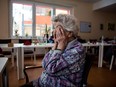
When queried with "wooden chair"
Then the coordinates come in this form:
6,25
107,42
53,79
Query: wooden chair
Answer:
28,51
8,52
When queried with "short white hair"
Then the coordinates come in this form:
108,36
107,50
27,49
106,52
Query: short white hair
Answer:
69,22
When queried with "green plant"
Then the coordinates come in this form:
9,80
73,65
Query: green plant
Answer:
26,35
47,30
16,33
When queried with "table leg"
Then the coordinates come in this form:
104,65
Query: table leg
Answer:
100,61
20,62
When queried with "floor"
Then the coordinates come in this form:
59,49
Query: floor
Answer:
98,77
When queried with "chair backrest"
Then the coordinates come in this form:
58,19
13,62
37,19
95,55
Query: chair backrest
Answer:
87,67
93,40
82,40
0,50
25,41
114,50
5,41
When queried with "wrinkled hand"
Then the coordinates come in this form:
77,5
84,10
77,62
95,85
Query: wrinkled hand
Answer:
60,38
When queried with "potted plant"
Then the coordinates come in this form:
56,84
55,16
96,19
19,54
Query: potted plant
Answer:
16,33
46,35
26,35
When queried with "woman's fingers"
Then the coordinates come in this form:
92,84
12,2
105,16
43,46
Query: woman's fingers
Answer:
62,31
54,34
59,33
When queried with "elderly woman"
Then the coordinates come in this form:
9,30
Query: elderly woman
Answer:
64,63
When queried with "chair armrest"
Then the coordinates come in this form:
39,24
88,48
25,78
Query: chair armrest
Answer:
27,68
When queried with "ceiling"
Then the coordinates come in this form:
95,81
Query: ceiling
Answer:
110,8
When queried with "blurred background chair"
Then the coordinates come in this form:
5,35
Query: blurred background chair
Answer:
1,53
8,52
81,40
95,49
28,51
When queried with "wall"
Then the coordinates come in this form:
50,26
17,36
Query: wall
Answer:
82,11
4,32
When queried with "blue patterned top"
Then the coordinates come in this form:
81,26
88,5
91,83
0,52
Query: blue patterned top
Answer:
63,69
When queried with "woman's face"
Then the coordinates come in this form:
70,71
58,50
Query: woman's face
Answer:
58,26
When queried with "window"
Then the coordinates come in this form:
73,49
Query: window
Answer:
32,19
22,19
43,19
62,11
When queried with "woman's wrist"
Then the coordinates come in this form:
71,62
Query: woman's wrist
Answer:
55,46
60,47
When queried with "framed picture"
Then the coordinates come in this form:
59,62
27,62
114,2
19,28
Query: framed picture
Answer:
111,26
101,26
85,26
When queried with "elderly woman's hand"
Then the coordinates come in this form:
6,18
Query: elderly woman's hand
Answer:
60,37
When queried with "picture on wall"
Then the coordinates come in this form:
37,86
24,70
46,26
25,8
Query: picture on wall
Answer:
111,26
101,26
85,27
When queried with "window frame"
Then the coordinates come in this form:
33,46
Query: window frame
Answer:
34,4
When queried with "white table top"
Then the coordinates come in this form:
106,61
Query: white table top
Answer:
45,45
6,45
40,45
3,61
91,44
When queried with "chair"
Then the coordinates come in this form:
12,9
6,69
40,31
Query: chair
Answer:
94,50
1,53
28,51
29,68
82,40
7,52
113,57
88,64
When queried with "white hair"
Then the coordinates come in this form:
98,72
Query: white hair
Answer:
69,22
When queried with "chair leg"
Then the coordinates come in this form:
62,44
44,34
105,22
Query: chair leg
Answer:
111,62
31,57
115,61
34,58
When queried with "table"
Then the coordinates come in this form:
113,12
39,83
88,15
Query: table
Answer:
21,61
20,53
101,51
3,72
14,47
17,48
95,45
